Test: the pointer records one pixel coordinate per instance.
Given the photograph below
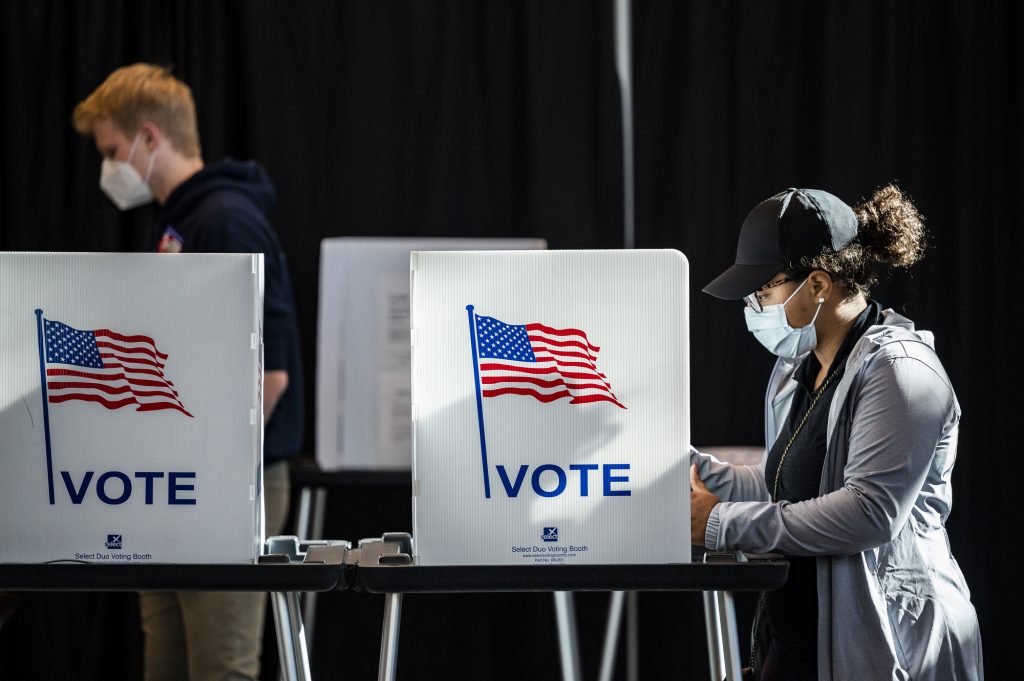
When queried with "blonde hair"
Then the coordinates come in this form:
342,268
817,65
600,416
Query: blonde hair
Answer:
134,94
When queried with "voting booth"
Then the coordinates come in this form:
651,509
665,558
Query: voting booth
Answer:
130,408
550,407
362,396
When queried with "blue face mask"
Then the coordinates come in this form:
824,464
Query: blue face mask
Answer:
771,328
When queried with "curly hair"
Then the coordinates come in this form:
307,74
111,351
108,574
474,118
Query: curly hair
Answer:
891,233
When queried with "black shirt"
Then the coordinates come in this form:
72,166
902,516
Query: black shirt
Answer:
792,611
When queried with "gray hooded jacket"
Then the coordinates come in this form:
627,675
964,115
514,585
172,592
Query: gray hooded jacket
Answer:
892,602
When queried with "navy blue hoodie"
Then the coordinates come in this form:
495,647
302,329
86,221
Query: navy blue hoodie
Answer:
222,209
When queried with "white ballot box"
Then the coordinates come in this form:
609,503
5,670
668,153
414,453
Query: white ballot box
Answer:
362,394
130,408
550,407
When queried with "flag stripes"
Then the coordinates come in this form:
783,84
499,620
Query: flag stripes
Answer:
110,369
541,362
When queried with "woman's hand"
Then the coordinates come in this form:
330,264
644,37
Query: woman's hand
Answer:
701,503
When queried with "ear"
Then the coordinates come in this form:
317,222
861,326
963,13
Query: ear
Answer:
151,135
820,284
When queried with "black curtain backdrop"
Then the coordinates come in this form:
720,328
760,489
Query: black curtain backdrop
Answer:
502,119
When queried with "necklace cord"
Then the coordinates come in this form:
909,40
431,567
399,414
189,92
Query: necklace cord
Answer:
775,498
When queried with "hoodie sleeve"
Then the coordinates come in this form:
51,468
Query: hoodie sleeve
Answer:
901,411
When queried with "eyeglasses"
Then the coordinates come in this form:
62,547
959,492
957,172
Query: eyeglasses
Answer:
753,300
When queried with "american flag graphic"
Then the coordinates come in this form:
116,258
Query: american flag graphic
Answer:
109,368
539,361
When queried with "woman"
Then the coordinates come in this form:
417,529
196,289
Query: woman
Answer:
861,430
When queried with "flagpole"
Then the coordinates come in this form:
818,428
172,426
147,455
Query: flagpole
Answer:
46,406
479,402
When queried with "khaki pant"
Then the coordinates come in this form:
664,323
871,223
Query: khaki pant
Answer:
212,636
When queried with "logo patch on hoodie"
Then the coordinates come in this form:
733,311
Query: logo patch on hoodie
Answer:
170,242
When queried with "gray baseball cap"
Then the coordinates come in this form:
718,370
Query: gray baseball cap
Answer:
778,232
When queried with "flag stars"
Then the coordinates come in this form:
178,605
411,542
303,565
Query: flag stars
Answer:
65,345
498,340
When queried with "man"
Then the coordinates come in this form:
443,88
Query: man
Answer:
143,121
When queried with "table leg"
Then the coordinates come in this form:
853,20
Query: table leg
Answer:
291,641
302,516
314,526
713,625
727,612
611,635
565,612
388,666
632,636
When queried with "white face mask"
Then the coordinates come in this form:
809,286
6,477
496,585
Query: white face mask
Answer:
121,182
772,329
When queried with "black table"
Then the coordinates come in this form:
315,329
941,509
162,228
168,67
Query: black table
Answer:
176,577
282,575
386,568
